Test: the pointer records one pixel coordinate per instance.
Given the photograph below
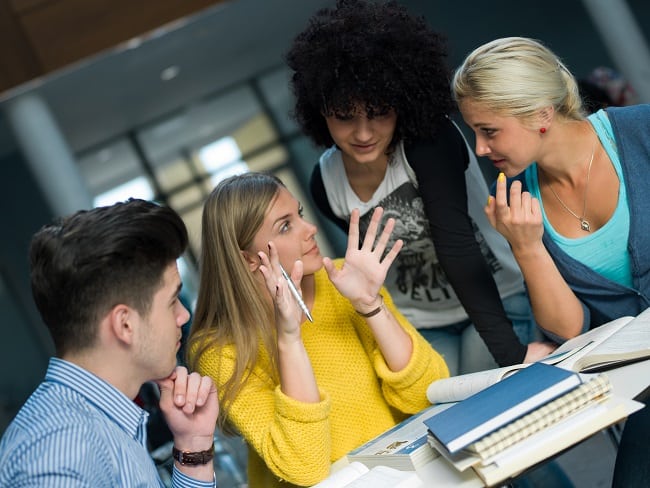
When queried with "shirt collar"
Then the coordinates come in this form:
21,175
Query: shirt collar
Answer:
104,396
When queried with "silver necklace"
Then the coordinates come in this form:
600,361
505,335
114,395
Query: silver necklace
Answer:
584,223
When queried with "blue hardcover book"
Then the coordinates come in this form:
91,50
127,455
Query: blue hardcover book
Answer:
471,419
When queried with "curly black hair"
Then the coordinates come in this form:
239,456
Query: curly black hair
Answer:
374,54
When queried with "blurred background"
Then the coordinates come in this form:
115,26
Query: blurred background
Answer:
102,100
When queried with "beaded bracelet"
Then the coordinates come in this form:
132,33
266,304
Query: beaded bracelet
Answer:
374,312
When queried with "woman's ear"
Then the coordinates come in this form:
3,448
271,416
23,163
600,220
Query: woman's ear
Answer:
252,260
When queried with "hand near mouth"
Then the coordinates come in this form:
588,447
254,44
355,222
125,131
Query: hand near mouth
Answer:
518,218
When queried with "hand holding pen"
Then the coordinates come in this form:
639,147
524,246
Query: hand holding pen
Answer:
283,289
296,294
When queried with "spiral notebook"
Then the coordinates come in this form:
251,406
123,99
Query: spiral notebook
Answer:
594,390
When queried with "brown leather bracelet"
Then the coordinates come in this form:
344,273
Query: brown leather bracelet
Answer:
187,458
374,312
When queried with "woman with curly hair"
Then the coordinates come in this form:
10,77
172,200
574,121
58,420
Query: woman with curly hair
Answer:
371,85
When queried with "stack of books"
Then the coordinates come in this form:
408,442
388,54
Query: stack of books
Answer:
524,419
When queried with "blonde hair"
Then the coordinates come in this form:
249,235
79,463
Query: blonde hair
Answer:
231,307
517,76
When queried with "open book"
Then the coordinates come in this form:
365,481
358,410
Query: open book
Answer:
357,475
613,344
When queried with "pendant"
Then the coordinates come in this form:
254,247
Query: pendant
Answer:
584,225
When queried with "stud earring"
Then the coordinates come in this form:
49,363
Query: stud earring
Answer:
542,130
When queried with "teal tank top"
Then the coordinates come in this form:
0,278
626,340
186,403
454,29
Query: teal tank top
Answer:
605,250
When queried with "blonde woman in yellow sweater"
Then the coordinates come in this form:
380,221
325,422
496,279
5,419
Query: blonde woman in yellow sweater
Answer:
302,394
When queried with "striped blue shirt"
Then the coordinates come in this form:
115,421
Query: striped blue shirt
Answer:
76,430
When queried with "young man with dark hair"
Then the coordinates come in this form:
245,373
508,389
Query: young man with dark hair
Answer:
106,284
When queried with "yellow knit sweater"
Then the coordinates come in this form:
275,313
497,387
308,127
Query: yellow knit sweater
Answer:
292,442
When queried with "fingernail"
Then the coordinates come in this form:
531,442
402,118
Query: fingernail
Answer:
502,177
489,199
179,398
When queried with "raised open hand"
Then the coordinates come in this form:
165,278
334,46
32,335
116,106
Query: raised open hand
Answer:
364,269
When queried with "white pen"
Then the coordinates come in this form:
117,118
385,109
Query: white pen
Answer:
295,293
